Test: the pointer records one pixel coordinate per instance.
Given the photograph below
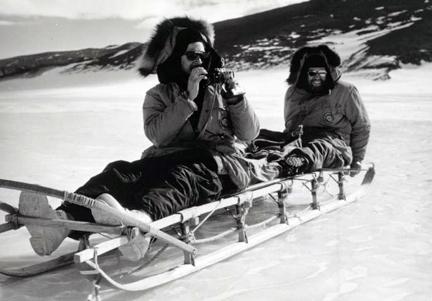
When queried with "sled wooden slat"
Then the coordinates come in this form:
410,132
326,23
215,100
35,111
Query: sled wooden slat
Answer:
167,221
32,188
100,249
69,224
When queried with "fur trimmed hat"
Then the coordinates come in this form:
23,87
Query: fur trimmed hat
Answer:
162,43
328,58
315,60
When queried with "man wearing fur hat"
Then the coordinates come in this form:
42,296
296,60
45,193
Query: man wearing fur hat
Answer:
195,118
329,113
188,108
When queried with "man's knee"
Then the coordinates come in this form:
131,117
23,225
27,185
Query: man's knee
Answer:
117,165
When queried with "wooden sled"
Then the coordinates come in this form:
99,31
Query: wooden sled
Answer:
187,222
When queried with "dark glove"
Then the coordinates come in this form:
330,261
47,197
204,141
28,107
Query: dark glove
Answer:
232,91
355,168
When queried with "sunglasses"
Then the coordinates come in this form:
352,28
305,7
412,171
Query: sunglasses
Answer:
321,73
192,56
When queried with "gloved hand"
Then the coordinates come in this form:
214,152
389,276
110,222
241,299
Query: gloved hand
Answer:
232,91
355,168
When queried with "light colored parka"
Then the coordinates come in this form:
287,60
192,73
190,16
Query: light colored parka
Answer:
221,127
341,111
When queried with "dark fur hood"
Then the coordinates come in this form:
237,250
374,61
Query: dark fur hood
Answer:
298,59
162,42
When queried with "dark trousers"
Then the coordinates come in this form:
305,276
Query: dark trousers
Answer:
160,186
324,149
321,146
325,152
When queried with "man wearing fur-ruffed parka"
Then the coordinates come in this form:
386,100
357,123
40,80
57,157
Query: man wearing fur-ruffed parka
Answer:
195,118
189,108
331,114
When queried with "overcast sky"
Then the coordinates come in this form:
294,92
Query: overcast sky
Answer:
31,26
136,9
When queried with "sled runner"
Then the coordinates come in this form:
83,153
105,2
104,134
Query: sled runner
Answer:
245,224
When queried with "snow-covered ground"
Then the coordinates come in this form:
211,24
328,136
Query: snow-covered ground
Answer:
377,249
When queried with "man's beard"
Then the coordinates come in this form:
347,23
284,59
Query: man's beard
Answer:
316,86
194,66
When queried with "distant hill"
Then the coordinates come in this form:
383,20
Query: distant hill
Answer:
372,36
110,58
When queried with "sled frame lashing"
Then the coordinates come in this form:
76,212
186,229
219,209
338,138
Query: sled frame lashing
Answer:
282,199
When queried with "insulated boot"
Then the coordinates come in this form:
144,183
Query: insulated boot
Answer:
44,240
293,164
138,243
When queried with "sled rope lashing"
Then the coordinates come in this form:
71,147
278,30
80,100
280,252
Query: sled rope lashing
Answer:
340,181
187,237
324,183
95,296
105,276
242,206
282,198
95,261
245,202
242,202
150,260
101,274
194,220
315,183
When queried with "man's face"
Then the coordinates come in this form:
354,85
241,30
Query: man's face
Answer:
193,56
316,77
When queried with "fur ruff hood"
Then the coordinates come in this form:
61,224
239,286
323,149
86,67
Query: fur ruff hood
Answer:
162,42
332,59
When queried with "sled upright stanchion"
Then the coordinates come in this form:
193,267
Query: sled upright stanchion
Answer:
282,197
242,208
340,181
300,134
314,187
187,237
320,177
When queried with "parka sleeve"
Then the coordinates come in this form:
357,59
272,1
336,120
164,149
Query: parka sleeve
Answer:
163,120
360,124
288,112
245,122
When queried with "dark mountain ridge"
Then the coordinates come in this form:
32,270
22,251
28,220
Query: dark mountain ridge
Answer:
282,31
395,32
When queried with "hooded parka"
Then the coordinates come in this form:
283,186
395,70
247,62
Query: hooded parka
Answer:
338,111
